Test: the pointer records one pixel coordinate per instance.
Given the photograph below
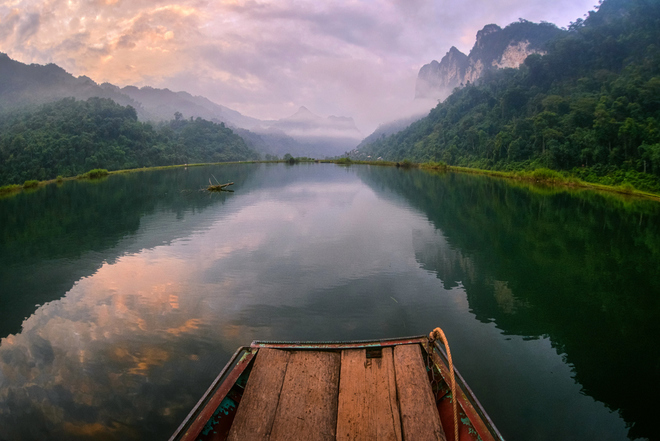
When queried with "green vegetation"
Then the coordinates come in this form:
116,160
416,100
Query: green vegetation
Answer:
31,184
538,176
556,178
68,137
434,165
589,107
345,160
97,173
9,189
290,159
577,265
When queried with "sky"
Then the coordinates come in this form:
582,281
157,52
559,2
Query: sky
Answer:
264,58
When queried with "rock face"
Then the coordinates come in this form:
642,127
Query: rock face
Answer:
446,75
495,48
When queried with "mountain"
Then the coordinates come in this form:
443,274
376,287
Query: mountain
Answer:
495,48
301,134
316,136
589,107
304,124
273,143
161,104
29,85
23,85
70,137
381,132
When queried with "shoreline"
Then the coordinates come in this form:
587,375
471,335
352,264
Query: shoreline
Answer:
537,176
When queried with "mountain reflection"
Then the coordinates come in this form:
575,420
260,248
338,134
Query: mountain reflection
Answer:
144,318
579,268
51,238
130,347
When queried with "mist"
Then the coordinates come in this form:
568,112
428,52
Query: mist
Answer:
264,59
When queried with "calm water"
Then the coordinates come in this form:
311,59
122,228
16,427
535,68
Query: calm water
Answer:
120,300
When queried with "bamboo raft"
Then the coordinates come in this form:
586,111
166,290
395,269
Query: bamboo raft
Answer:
219,187
398,389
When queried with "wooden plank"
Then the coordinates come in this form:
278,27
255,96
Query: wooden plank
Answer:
419,415
308,402
368,408
386,416
256,413
353,416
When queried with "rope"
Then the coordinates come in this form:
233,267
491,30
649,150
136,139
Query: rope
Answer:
438,334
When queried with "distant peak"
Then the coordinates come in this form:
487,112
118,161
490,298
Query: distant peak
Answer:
304,113
453,54
490,28
487,30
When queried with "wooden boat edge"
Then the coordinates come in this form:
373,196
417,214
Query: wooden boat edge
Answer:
468,398
245,354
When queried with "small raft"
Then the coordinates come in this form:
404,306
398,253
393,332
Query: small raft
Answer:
397,389
219,187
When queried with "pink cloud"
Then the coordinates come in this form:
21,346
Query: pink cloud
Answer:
263,58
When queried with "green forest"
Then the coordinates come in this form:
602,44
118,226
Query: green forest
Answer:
69,137
590,107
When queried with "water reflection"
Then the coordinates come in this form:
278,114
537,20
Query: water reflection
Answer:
51,238
146,316
578,269
131,345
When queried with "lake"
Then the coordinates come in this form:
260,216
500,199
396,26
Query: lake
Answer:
121,299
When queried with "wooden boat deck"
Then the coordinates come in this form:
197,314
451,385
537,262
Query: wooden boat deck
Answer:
354,394
389,389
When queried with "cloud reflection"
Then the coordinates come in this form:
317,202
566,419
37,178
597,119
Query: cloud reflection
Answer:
129,349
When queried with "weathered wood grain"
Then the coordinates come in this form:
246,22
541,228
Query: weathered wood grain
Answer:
353,416
419,415
385,414
368,408
256,412
308,402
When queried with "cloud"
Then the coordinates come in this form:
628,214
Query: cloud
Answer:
28,27
8,24
263,58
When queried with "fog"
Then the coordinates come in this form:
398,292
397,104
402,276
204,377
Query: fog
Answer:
264,58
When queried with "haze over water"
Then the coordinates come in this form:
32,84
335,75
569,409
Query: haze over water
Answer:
122,299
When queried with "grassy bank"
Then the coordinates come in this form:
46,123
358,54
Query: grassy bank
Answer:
538,176
13,189
552,177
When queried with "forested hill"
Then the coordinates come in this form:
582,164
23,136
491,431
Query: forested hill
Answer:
70,137
590,105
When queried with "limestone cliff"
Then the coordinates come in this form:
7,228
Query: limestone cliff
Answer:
495,48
